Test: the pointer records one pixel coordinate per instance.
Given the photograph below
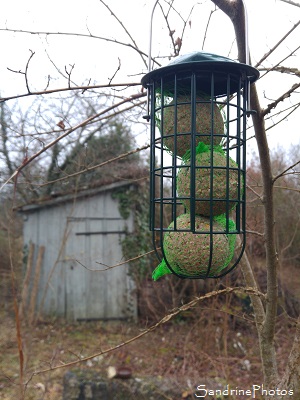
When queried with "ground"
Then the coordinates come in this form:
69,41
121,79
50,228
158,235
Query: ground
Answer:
213,346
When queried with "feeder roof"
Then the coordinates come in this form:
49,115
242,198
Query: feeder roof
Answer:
203,64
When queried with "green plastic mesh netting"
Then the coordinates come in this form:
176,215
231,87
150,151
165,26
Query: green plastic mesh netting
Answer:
225,182
188,254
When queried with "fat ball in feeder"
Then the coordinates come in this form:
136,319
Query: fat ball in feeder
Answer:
180,117
189,254
210,167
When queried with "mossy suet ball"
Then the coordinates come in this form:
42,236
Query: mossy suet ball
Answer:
203,124
221,189
188,254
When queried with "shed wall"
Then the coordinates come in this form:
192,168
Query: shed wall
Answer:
80,237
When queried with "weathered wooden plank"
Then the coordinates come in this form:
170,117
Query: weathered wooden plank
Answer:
35,285
26,282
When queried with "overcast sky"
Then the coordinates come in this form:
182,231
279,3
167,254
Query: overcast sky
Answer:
97,60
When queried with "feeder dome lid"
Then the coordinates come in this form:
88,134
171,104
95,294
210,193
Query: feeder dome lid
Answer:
199,56
203,64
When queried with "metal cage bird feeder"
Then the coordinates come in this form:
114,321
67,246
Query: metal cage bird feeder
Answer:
198,108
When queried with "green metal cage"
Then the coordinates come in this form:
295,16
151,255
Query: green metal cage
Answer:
198,108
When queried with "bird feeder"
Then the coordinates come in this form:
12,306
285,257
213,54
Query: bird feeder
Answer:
198,108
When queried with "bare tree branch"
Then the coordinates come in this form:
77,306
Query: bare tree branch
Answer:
26,71
283,70
115,41
267,334
116,71
285,171
235,11
135,46
281,61
255,233
108,267
281,98
176,43
88,169
293,3
277,44
69,73
294,108
207,25
291,239
83,88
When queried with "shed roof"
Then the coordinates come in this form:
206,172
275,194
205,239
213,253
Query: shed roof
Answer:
57,200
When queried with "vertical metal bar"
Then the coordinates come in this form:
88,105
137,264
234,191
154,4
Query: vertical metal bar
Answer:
228,205
247,55
193,153
211,177
161,174
174,159
238,155
244,166
212,84
151,89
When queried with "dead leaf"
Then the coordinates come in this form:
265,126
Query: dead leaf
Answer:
61,125
186,394
178,43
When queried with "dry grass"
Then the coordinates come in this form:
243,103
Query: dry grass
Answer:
207,344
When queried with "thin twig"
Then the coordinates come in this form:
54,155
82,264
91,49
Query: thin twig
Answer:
255,233
24,73
295,107
207,25
69,73
117,70
277,44
88,169
26,70
171,32
142,54
281,98
254,192
280,62
283,70
285,171
292,3
135,46
84,88
108,267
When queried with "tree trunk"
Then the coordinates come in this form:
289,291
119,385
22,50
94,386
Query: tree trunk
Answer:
265,322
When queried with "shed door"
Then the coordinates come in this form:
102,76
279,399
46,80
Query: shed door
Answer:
93,245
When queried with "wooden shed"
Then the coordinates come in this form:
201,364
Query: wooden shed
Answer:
73,238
